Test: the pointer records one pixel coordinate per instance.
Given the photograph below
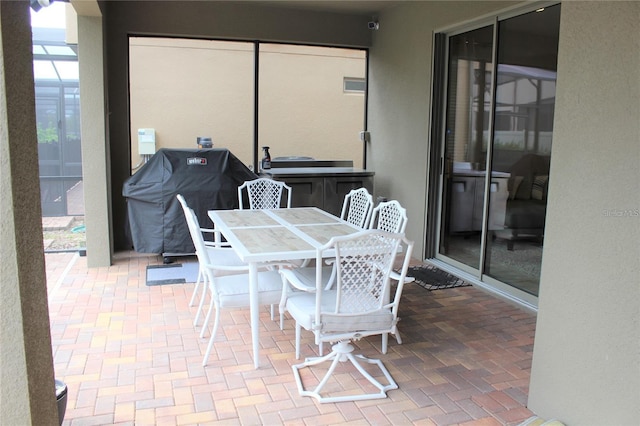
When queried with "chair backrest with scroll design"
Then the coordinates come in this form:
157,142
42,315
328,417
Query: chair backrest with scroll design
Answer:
389,216
357,206
265,193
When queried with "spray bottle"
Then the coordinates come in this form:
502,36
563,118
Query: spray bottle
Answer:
266,160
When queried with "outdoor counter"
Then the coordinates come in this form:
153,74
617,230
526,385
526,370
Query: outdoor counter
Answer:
322,187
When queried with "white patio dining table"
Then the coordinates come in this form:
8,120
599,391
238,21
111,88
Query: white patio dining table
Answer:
259,236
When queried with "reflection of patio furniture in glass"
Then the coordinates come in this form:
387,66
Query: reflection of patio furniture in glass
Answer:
526,207
467,198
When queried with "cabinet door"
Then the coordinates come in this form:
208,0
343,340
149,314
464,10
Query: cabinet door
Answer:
463,199
498,203
478,205
335,188
305,191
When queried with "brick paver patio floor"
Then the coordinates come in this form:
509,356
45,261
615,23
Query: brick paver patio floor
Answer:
130,354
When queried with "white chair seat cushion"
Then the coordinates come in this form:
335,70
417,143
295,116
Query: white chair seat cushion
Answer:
233,290
224,257
302,307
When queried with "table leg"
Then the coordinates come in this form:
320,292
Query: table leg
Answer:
255,312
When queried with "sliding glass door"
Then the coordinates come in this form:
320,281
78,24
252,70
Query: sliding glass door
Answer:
497,147
467,124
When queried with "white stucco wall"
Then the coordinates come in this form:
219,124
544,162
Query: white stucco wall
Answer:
586,362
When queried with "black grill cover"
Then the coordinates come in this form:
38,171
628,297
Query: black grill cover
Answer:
207,178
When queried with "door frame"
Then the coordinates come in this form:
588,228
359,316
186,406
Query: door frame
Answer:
435,177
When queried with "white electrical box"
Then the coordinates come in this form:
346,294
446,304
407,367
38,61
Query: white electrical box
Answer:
146,141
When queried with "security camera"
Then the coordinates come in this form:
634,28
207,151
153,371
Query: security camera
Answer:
36,5
373,25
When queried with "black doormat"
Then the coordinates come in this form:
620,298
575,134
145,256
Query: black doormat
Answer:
433,278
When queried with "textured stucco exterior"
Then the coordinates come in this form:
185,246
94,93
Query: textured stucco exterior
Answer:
95,151
27,391
586,361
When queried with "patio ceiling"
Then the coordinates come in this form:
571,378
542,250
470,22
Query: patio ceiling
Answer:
364,7
356,7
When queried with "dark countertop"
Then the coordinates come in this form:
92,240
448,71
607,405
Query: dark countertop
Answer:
316,171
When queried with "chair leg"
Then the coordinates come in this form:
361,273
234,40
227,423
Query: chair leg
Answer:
283,301
216,322
298,330
398,338
196,288
201,304
342,352
208,317
385,340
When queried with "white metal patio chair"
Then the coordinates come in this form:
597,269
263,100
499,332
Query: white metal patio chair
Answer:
265,193
221,253
357,207
230,291
390,216
354,308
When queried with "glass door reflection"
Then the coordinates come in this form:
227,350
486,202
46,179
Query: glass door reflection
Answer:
467,125
494,229
522,136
